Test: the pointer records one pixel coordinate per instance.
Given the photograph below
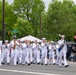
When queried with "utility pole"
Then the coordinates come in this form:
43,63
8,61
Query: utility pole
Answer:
3,26
40,26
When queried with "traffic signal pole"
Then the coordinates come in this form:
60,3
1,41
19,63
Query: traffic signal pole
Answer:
3,28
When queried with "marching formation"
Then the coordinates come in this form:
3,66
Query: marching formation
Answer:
27,52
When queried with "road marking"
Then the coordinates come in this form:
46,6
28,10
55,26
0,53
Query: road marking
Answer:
26,72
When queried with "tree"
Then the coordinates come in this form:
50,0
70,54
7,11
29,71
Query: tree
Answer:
60,19
10,19
29,10
23,28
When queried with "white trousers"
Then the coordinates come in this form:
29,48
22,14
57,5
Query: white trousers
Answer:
57,57
31,55
23,56
5,56
27,59
44,56
19,56
14,56
63,54
52,57
36,56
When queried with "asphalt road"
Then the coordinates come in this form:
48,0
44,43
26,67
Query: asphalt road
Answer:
38,70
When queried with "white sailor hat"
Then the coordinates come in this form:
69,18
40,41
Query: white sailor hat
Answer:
62,35
6,40
52,41
14,37
43,38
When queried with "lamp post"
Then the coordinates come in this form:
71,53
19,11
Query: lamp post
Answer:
3,26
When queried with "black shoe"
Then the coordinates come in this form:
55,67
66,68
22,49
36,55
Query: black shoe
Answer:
62,63
7,63
53,63
28,64
17,63
38,63
66,66
41,63
46,64
3,63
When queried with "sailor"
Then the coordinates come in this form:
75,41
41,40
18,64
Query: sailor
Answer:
13,45
52,53
28,52
36,48
57,54
44,52
62,51
0,52
5,52
24,52
19,50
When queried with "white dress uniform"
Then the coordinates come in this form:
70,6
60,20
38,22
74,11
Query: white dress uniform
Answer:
0,52
28,47
19,54
30,53
62,53
5,53
44,53
52,53
23,53
57,55
36,48
13,52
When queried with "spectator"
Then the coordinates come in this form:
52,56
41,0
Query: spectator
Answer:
75,38
69,51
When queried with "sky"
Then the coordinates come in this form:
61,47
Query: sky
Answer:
45,1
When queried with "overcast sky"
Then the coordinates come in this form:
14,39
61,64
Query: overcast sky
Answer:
45,1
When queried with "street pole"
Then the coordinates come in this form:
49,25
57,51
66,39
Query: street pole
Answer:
3,28
40,26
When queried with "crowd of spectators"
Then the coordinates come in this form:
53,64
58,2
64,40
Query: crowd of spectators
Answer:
71,52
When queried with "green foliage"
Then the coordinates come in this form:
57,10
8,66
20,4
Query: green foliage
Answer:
22,18
23,27
29,10
60,19
9,17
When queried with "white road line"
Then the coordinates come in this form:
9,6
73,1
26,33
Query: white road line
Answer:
26,72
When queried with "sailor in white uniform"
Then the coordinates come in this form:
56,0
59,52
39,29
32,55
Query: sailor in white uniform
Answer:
36,48
28,47
13,45
44,51
24,52
62,51
5,52
19,50
52,53
0,52
30,52
57,54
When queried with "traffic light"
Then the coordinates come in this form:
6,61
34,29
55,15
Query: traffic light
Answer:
9,32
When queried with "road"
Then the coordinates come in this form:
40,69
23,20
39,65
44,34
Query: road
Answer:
38,70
